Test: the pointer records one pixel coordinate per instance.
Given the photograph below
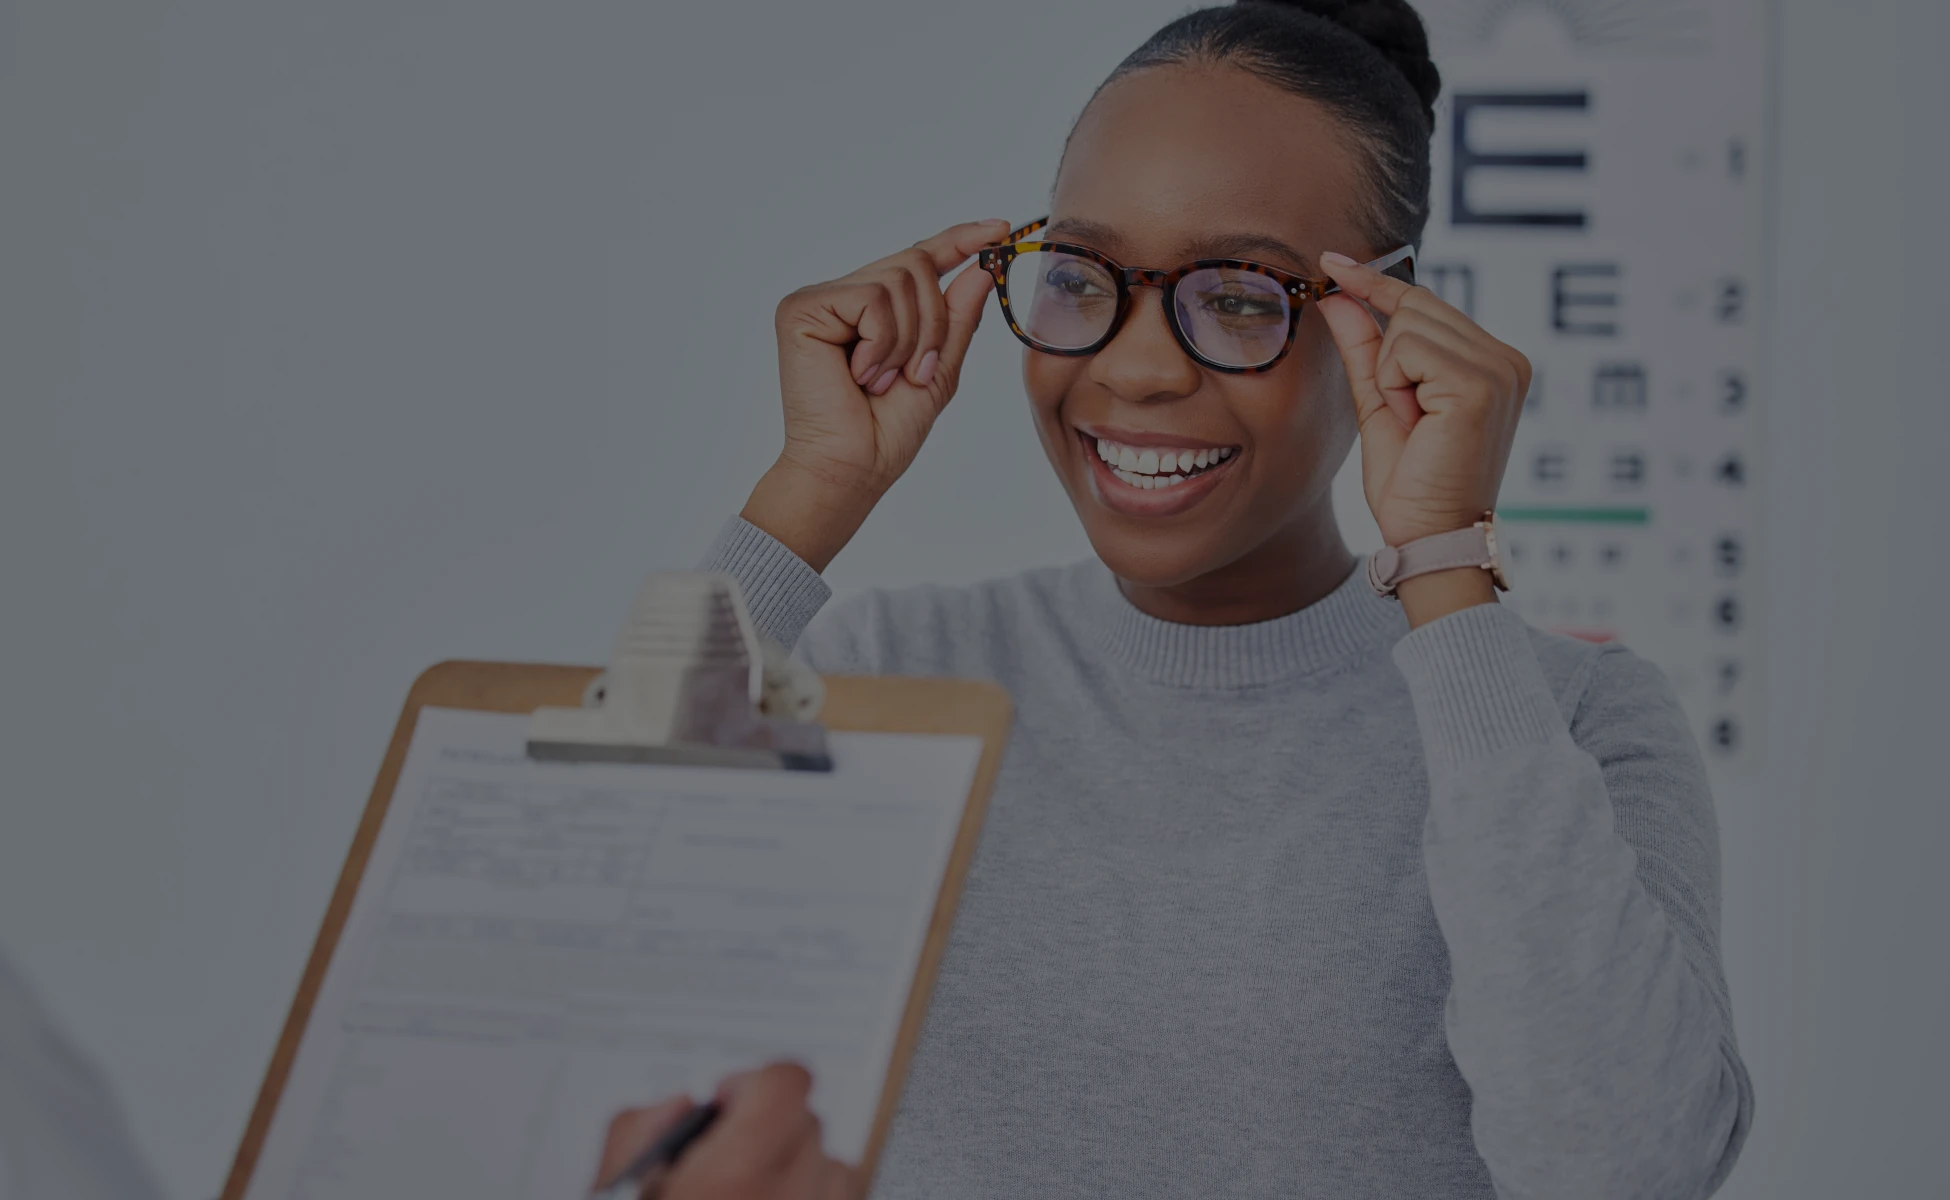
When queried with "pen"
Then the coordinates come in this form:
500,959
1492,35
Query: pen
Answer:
645,1173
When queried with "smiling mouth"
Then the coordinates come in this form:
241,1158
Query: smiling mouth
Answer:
1150,468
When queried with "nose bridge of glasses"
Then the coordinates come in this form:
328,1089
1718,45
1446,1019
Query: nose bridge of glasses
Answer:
1135,314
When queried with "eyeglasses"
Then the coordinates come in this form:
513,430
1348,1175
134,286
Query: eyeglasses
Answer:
1229,314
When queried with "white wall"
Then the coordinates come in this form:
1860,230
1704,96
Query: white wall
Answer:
339,339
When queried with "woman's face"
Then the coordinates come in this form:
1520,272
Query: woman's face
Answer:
1169,165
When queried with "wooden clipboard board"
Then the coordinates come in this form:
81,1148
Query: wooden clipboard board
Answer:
853,703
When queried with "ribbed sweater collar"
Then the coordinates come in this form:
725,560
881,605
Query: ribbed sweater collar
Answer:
1347,622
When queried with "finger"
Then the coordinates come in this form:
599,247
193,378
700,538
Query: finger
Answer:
907,315
1383,428
805,1174
764,1126
1477,354
1382,292
1416,359
1425,304
932,312
1359,339
867,310
632,1131
765,1110
736,1168
1502,369
966,300
952,246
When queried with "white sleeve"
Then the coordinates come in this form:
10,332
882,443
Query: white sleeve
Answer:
62,1136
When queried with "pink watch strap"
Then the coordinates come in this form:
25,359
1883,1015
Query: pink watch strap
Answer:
1472,547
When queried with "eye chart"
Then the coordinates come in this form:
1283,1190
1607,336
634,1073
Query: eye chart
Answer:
1599,203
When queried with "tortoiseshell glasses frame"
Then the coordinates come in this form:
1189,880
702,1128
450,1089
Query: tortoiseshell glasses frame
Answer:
1296,291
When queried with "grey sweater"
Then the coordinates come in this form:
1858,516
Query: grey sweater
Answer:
1313,907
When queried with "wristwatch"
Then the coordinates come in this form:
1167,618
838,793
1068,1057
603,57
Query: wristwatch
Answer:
1472,547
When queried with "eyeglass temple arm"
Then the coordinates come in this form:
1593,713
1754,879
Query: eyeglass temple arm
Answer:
1394,258
1017,235
987,255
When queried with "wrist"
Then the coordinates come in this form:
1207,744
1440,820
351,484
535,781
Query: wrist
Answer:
1398,531
810,514
1431,597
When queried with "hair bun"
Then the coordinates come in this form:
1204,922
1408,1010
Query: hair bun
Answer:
1391,27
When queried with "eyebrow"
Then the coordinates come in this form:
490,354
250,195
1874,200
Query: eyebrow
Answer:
1219,245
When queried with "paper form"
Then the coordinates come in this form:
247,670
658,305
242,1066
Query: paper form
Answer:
537,945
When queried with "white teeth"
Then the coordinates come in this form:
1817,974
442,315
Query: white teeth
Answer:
1146,468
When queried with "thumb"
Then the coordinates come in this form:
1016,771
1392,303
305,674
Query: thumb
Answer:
1358,337
967,299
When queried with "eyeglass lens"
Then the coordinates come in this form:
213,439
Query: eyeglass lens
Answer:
1234,318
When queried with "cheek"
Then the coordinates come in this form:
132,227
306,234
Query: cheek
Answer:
1302,406
1323,385
1047,380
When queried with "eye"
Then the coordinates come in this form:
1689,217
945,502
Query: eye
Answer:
1240,304
1073,279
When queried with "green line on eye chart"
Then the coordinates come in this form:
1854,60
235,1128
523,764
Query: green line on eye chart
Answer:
1586,516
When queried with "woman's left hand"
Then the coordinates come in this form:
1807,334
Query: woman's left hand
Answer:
1437,399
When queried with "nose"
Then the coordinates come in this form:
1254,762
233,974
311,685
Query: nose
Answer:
1144,362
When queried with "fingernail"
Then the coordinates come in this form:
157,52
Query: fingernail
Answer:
925,372
865,373
1339,260
885,381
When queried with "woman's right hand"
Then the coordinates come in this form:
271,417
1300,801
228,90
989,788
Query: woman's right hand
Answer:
866,364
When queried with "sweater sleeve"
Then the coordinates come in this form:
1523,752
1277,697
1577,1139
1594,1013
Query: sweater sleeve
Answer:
784,595
1574,870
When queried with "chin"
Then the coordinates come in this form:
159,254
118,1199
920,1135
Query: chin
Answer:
1150,558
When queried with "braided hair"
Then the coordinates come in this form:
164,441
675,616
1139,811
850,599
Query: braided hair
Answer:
1365,61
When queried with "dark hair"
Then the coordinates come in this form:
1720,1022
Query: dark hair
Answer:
1366,61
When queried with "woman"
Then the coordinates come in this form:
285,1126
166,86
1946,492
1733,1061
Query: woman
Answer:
1287,888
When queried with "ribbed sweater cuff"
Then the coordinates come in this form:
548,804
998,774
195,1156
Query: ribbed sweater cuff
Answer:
782,591
1477,686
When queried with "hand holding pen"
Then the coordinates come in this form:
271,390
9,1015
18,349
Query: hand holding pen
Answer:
755,1140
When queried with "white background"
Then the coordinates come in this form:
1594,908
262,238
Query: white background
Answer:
339,339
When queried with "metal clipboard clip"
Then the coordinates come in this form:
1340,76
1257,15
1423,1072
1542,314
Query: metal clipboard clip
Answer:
691,683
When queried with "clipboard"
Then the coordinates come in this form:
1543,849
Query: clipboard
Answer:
853,704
